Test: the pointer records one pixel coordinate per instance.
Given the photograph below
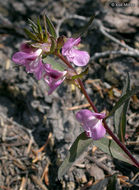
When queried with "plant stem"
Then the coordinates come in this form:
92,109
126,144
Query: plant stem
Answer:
123,147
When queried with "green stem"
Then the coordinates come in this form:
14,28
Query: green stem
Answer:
123,147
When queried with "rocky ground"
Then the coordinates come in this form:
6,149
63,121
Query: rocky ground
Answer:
36,130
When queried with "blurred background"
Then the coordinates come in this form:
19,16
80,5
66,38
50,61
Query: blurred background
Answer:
36,130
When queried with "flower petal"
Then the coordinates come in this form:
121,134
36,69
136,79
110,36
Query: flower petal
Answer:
25,47
82,115
37,68
55,74
98,115
98,131
53,77
69,44
54,85
23,58
79,58
92,123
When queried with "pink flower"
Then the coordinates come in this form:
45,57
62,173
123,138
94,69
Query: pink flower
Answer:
29,57
79,58
92,123
53,77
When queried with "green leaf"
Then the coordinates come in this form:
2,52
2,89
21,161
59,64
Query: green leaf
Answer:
110,147
120,113
85,28
53,45
54,63
45,28
77,148
39,28
51,27
33,25
30,34
123,99
82,142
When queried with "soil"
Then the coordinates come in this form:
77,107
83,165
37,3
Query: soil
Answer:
37,130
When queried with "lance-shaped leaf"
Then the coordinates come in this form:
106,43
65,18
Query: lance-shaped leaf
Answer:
84,28
53,44
30,34
82,142
123,99
51,27
76,150
45,28
54,63
120,113
33,25
40,32
110,147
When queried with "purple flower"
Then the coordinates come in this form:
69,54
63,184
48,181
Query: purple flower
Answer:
53,77
36,67
79,58
29,57
92,123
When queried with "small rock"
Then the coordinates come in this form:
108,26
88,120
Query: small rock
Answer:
48,99
7,106
84,179
70,186
107,85
80,176
19,7
95,171
116,92
111,77
35,104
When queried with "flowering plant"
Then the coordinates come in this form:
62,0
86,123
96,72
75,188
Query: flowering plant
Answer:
32,55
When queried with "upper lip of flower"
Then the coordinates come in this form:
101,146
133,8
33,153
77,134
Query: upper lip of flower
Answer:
70,43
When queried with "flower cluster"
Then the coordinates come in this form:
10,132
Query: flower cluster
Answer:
31,59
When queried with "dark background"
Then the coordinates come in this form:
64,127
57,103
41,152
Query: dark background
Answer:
28,116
